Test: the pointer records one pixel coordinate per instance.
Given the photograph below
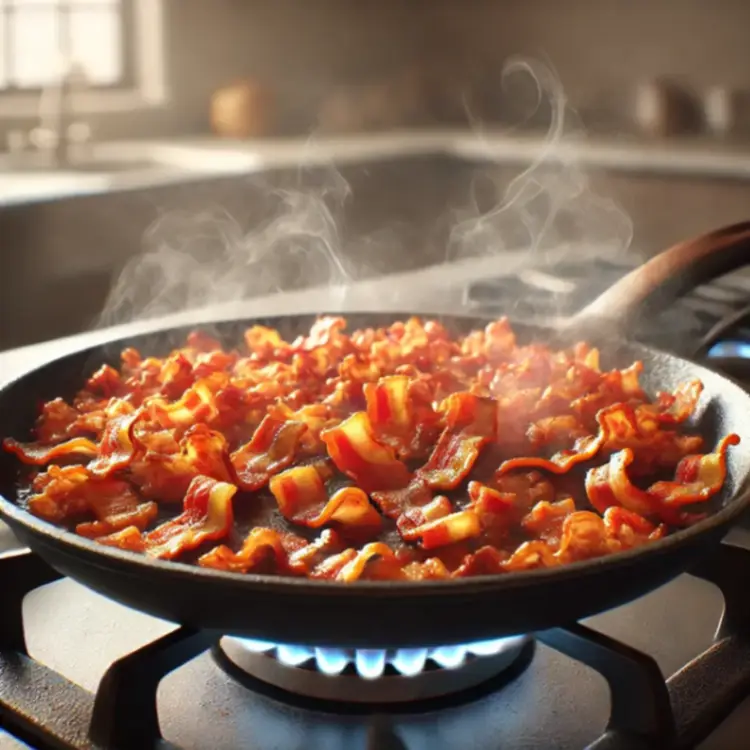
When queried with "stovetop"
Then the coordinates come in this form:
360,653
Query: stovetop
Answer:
85,672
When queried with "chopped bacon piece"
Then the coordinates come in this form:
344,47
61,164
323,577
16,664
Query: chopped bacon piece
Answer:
392,503
117,447
166,469
130,538
260,546
354,450
106,381
530,556
470,425
38,454
271,449
55,423
302,498
545,519
116,512
59,493
306,559
197,404
375,561
486,561
207,515
395,420
464,524
697,479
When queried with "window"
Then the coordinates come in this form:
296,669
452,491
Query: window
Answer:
39,38
119,44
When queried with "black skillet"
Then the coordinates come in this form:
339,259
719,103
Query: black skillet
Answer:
417,614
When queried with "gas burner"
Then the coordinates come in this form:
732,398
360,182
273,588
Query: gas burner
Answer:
382,676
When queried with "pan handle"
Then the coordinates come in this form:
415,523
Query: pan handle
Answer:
653,286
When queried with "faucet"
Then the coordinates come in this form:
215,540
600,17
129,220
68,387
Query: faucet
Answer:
57,130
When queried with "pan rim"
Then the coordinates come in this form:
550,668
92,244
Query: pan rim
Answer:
132,563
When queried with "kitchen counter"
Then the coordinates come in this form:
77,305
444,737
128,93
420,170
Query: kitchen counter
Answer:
188,159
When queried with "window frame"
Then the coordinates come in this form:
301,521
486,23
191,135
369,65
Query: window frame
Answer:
142,84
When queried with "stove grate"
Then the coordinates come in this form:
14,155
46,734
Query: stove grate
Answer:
46,710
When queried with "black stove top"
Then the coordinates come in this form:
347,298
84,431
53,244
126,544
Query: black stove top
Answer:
80,671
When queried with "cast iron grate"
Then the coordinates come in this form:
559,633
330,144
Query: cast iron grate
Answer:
41,707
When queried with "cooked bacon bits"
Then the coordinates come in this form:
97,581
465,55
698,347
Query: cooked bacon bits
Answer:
478,454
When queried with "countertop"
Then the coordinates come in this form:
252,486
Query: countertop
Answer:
196,158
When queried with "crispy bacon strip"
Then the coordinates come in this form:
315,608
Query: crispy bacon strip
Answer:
207,515
40,454
393,416
118,445
116,507
167,468
392,503
271,449
375,561
302,498
354,450
470,424
130,538
456,527
197,404
261,547
697,479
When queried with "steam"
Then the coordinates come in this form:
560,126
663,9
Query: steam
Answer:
195,260
546,213
549,209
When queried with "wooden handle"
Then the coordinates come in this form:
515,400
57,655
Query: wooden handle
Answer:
652,287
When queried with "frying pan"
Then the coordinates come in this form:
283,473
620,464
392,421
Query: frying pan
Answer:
397,614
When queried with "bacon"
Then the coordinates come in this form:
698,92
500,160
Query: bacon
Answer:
197,404
470,445
392,503
485,561
470,425
55,423
375,561
354,450
117,446
302,499
39,454
393,418
130,538
70,491
308,558
455,527
697,479
261,547
116,507
207,516
545,519
271,449
166,468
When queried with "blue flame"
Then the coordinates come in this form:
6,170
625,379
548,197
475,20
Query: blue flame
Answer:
410,661
293,656
371,663
730,349
331,660
449,657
